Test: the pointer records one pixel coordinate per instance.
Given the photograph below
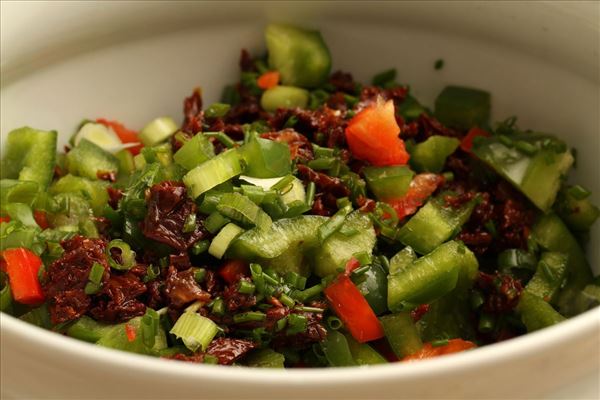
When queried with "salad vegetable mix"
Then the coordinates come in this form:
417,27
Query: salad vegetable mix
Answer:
306,220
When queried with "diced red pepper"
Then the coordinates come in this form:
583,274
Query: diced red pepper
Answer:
22,267
351,265
352,308
467,143
41,219
130,332
233,270
268,80
124,134
4,218
428,350
421,187
372,136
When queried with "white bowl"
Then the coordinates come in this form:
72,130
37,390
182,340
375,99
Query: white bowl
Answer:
132,61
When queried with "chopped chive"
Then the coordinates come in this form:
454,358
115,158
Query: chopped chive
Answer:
385,263
291,121
215,221
283,183
310,194
258,278
361,270
270,279
94,279
221,137
322,151
505,140
307,294
333,224
348,231
246,287
210,359
439,342
218,306
199,274
296,324
200,247
249,316
287,300
189,224
217,110
343,202
526,147
334,323
195,330
363,257
152,272
322,163
126,257
280,325
295,280
309,309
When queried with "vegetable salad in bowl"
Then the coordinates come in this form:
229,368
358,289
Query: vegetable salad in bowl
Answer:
306,220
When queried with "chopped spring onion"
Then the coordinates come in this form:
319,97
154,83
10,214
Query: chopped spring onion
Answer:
336,350
94,279
296,324
249,316
363,257
194,330
218,306
295,280
213,172
287,300
221,137
334,323
307,294
200,247
189,225
125,257
149,327
257,277
284,97
194,152
199,274
217,110
265,358
241,209
310,194
246,287
215,221
284,184
579,192
333,224
221,242
158,131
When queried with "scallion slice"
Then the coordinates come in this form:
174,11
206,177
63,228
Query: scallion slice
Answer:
221,242
158,131
213,172
241,209
194,330
125,257
94,279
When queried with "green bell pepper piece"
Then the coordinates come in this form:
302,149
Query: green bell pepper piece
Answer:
266,158
373,286
301,56
88,159
536,174
88,330
14,191
447,318
401,333
265,358
550,275
284,97
388,183
430,155
402,260
94,191
537,313
434,224
363,354
430,277
578,213
463,108
30,155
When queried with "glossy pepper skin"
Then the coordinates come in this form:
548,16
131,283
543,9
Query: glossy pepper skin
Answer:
22,267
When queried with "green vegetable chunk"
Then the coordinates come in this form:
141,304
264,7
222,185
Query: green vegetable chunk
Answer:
88,160
537,175
537,313
158,130
93,190
194,152
266,158
576,210
30,155
463,108
301,56
265,358
433,224
337,351
213,172
388,183
428,278
401,333
430,155
363,354
550,275
284,97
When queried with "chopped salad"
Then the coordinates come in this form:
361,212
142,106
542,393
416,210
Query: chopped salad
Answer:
305,220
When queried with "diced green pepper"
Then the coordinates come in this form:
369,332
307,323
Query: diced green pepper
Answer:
116,338
363,354
338,248
463,108
449,266
14,191
401,333
87,329
337,351
266,158
265,358
402,260
284,97
30,155
537,176
94,191
433,224
374,288
388,183
430,155
88,159
578,213
537,313
447,318
301,56
550,275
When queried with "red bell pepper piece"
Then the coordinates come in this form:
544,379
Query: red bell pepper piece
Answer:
352,308
268,80
428,351
421,187
41,219
130,332
22,267
233,270
467,143
124,134
372,135
4,219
